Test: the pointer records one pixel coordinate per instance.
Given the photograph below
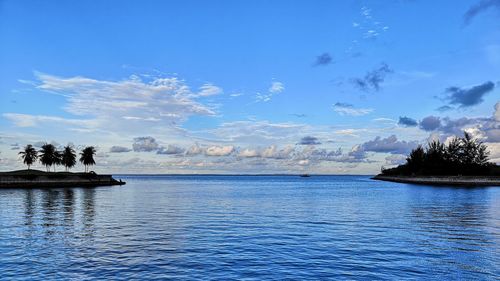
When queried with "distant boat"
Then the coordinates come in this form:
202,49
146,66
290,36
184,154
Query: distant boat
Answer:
305,175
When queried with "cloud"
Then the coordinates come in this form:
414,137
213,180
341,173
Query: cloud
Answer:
389,145
170,150
444,108
370,27
219,150
395,159
257,131
480,7
248,153
430,123
209,90
194,150
407,121
373,79
145,144
309,140
131,104
348,109
276,87
274,153
119,149
26,120
496,113
323,59
471,96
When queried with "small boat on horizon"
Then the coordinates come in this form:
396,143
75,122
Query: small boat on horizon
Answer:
305,175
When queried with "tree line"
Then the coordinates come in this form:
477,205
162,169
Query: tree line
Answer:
461,156
49,156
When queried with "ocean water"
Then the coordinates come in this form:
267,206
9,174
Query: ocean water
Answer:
250,228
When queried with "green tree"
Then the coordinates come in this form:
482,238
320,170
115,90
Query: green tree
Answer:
68,158
48,155
87,157
29,155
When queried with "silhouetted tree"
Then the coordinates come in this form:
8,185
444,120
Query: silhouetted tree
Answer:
87,157
29,155
48,155
68,158
464,155
415,160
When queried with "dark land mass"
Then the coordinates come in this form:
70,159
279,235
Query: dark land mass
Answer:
462,162
41,179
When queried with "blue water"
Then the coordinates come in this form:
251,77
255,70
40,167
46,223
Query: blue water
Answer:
253,228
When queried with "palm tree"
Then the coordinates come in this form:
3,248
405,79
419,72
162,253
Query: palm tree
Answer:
68,158
48,155
29,155
57,158
87,157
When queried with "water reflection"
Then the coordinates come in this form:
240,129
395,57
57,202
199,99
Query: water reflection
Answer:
53,208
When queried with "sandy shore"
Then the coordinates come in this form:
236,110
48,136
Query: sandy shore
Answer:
443,180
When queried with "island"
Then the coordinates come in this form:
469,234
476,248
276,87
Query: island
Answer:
50,157
460,162
41,179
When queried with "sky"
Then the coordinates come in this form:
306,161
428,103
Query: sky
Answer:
247,87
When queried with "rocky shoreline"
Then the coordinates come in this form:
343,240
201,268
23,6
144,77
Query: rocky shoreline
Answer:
443,180
40,179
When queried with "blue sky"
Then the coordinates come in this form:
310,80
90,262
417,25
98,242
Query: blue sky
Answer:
247,86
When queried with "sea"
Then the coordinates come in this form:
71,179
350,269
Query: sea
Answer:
211,227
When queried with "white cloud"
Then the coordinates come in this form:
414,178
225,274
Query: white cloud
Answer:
249,153
209,90
129,105
276,87
219,150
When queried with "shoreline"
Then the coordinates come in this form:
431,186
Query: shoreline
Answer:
465,181
40,179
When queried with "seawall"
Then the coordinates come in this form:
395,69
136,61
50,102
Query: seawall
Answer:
38,179
443,180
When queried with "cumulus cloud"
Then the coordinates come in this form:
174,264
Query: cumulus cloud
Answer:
349,109
170,150
145,144
479,8
323,59
395,159
407,121
309,140
430,123
249,153
194,150
496,114
466,97
274,152
119,149
389,145
373,79
219,150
